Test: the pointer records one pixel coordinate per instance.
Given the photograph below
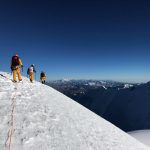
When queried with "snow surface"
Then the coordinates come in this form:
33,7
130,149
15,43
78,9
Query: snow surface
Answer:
45,119
142,135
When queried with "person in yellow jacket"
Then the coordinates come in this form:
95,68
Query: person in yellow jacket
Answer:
43,77
16,64
31,70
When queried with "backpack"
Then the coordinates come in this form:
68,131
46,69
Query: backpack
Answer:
42,74
15,61
30,70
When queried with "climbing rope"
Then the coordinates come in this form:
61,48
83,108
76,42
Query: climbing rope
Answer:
9,139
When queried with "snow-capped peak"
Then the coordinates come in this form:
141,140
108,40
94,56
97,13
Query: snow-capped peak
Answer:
44,119
127,86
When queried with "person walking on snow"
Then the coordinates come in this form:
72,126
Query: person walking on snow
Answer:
16,64
30,72
43,77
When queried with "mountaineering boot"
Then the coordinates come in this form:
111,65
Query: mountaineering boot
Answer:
20,80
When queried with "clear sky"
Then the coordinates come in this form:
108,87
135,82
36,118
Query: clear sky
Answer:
79,39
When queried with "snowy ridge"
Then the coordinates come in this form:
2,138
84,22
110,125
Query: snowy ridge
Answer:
45,119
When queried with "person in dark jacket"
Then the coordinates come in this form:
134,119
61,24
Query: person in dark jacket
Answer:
43,77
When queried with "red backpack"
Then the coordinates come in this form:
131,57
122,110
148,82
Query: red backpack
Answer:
15,61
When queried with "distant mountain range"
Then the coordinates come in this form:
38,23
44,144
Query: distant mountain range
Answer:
123,104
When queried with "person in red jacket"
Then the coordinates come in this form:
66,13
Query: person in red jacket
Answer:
16,64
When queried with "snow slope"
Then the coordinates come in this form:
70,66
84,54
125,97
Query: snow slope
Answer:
142,135
41,118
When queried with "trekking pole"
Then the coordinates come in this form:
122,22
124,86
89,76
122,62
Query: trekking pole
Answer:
22,68
11,70
35,75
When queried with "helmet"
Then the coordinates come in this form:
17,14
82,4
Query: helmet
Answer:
16,54
32,65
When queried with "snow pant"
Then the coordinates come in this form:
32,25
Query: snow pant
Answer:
31,76
43,79
16,72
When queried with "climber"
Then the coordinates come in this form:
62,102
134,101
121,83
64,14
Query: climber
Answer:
31,70
43,77
16,64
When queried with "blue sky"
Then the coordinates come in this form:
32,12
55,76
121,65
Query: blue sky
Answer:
86,39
